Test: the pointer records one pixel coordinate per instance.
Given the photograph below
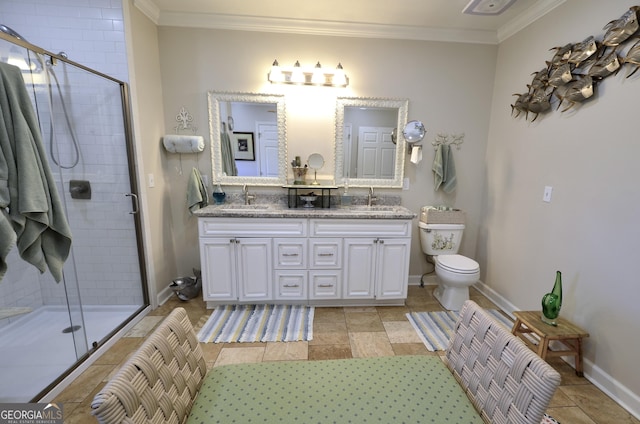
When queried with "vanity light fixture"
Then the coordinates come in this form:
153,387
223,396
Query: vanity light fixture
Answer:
317,75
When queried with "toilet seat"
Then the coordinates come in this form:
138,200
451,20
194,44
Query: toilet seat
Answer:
458,264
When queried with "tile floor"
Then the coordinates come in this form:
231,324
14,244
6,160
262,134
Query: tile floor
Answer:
338,333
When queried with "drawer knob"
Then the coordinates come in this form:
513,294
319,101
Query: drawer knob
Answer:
291,285
324,286
325,254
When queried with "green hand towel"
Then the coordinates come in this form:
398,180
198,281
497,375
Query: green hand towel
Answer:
437,167
197,196
449,180
34,208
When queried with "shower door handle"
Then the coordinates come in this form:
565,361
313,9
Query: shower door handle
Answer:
136,207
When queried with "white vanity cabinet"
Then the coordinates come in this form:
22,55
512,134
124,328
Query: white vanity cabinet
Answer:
319,261
376,256
236,256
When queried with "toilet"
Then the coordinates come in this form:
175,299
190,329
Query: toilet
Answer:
440,237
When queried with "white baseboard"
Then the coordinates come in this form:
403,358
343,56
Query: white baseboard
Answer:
164,295
610,386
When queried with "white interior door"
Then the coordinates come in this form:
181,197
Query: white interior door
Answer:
268,148
376,152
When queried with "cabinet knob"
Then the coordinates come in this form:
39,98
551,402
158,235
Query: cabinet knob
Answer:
325,254
324,286
291,285
289,254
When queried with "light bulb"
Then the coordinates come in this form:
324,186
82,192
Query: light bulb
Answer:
276,73
297,76
318,75
339,78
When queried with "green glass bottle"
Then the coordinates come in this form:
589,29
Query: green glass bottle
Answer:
552,302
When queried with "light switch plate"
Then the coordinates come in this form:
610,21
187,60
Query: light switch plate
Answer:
547,194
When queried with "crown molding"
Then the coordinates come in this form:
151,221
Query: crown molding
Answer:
148,8
325,28
345,29
526,18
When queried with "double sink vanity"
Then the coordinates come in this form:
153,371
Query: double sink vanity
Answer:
284,252
353,255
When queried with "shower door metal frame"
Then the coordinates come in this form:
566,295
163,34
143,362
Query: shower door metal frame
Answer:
133,177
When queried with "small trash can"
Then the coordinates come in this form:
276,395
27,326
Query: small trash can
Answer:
187,288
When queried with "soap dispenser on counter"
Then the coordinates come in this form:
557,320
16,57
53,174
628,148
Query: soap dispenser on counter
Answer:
218,194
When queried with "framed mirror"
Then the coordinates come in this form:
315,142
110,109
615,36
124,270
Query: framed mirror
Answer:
369,150
248,138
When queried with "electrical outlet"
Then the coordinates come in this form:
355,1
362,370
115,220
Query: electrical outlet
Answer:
151,180
547,194
405,184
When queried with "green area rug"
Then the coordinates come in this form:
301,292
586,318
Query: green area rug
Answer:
258,323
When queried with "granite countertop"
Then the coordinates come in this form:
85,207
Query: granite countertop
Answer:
275,210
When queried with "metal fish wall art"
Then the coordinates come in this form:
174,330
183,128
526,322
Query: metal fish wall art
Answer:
621,29
559,75
605,66
576,92
572,74
633,57
583,51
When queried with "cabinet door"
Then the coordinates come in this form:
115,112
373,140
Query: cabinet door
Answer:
359,268
254,269
218,259
392,268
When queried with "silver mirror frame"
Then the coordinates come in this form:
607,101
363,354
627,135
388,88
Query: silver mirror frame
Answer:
371,102
214,99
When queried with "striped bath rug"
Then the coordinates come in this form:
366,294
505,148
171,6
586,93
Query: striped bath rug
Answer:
258,323
435,328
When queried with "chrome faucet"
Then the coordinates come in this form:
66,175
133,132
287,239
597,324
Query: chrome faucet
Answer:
247,197
371,198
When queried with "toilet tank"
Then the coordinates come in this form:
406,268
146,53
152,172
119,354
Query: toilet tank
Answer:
440,239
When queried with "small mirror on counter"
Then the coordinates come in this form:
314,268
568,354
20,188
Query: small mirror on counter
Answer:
367,152
315,161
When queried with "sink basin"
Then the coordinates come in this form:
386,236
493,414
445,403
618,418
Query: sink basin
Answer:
245,207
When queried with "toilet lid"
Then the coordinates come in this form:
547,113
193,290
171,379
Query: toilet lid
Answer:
458,263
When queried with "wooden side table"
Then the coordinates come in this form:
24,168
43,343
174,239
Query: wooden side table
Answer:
565,332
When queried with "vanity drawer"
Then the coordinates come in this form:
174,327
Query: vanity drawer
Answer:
360,227
325,253
325,284
252,227
291,284
290,253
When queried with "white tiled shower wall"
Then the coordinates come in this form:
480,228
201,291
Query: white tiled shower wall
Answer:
104,260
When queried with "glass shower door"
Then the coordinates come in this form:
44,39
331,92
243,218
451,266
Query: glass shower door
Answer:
84,121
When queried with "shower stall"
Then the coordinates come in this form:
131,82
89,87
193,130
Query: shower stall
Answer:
49,328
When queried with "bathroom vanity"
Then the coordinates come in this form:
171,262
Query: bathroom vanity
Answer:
356,255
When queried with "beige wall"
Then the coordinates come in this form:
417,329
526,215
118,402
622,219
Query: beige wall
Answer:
450,96
590,229
146,94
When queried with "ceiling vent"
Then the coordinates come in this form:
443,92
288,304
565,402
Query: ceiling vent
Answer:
487,7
